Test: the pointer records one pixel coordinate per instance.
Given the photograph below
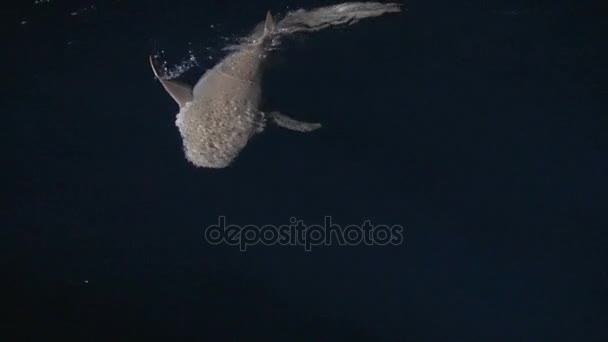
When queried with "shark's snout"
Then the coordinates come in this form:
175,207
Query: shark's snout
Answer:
206,160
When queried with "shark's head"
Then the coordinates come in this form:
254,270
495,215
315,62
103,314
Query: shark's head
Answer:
208,160
214,139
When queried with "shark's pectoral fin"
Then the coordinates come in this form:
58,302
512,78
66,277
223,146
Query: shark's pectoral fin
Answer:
292,124
180,92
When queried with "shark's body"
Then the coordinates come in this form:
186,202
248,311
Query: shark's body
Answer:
221,113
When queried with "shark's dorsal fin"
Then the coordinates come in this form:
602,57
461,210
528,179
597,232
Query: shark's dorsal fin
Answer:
268,24
180,92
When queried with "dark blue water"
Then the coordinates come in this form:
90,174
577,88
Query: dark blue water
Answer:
479,126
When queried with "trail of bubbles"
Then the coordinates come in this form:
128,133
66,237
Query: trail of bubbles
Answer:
300,20
324,17
167,73
317,19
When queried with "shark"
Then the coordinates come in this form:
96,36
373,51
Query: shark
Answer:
220,114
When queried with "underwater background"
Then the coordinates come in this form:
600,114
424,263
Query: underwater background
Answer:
477,126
